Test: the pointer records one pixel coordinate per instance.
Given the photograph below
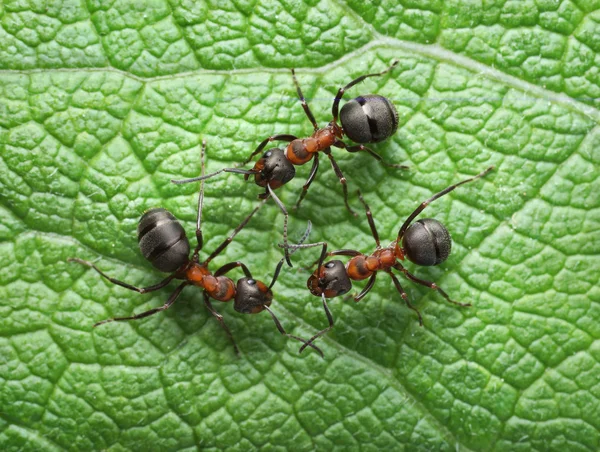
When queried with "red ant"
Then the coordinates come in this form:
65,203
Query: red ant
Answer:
163,242
426,242
366,119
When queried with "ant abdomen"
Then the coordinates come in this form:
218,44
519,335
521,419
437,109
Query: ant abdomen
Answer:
427,242
369,119
332,280
162,240
252,296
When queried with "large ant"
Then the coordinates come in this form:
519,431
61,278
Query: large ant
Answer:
163,242
366,119
426,242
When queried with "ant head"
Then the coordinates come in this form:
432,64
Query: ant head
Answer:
274,169
369,119
252,296
332,280
426,242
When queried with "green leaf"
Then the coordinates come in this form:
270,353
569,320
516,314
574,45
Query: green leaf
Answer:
101,104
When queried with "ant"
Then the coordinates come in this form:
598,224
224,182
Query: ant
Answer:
426,242
163,242
366,119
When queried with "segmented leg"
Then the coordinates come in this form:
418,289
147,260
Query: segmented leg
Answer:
405,296
282,331
323,331
199,237
219,318
360,147
164,307
341,91
285,224
370,220
160,285
429,284
311,117
230,266
263,144
229,239
367,288
424,204
311,177
208,176
340,175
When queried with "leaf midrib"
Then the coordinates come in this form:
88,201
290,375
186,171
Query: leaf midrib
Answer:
432,51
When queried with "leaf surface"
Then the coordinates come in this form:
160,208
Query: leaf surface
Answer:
101,104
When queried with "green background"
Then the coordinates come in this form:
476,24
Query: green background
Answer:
102,103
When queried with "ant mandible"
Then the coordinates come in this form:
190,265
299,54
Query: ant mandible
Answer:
366,119
163,242
426,242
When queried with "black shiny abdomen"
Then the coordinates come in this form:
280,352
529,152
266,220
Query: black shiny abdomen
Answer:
369,119
162,240
427,242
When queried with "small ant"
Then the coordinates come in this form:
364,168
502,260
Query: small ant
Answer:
163,242
366,119
426,242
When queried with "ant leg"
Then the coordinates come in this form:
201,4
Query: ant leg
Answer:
340,175
282,331
228,240
311,177
311,118
160,285
367,288
164,307
360,147
405,296
308,245
199,238
263,144
370,220
219,318
230,266
208,176
300,242
424,204
351,253
429,284
285,224
323,331
341,91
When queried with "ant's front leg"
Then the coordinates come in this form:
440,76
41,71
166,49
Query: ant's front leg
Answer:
263,144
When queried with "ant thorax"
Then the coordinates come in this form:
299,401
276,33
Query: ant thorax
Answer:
362,267
220,288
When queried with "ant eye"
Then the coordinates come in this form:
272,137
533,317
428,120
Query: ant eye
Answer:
329,265
268,154
251,282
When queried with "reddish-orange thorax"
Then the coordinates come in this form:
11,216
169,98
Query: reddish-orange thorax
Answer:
220,288
362,267
301,150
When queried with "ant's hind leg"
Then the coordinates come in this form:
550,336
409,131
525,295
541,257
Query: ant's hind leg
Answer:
158,286
164,307
404,296
429,284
